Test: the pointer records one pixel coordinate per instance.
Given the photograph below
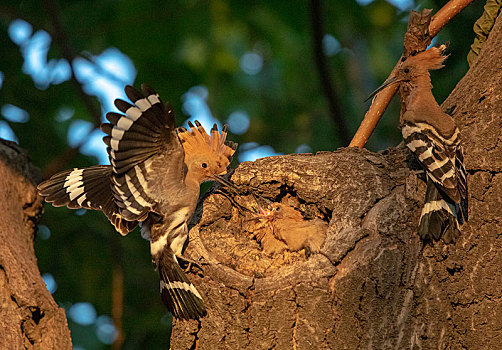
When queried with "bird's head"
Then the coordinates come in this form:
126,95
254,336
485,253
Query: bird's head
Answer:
416,66
279,211
206,156
420,64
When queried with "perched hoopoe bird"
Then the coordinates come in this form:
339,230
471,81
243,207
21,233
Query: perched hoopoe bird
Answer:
434,139
153,180
281,227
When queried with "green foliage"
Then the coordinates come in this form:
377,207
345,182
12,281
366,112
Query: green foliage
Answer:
174,46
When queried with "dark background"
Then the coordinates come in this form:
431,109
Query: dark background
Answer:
232,61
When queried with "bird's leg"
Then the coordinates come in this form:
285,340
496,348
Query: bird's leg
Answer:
308,252
186,263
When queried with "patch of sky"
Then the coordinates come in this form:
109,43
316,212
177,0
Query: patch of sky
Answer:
402,5
2,77
43,232
105,330
364,2
330,45
34,48
80,212
251,63
103,76
83,313
20,31
196,107
14,114
303,148
64,113
50,282
78,131
238,122
6,132
94,146
434,42
252,151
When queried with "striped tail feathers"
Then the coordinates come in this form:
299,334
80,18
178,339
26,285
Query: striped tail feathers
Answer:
439,217
178,294
88,188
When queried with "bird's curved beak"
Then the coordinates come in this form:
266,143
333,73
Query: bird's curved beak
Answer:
386,83
238,191
225,183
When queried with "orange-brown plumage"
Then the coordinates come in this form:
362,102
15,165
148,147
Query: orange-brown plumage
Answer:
283,227
433,137
153,181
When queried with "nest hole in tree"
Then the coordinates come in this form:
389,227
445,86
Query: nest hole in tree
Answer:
229,231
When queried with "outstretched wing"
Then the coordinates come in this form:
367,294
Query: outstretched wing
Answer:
436,154
88,188
143,149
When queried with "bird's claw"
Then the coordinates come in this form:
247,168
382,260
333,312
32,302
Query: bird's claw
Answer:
187,263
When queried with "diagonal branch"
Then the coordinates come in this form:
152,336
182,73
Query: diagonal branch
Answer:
382,99
323,70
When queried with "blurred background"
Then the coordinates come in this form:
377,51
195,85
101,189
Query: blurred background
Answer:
286,76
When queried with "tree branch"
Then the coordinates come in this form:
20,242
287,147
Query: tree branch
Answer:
382,99
323,71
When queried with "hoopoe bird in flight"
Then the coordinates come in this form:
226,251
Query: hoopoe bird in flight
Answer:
434,139
153,181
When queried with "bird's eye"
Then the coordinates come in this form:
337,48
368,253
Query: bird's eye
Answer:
277,208
204,165
406,70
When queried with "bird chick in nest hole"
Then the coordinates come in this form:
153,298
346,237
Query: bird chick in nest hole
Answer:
280,227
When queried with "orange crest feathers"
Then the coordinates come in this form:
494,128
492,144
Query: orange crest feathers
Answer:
430,59
197,141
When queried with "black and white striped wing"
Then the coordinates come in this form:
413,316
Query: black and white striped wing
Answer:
436,154
88,188
136,140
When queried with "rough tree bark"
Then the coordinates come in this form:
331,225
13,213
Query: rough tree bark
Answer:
374,285
29,317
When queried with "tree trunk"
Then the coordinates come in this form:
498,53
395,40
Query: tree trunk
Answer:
29,317
373,285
